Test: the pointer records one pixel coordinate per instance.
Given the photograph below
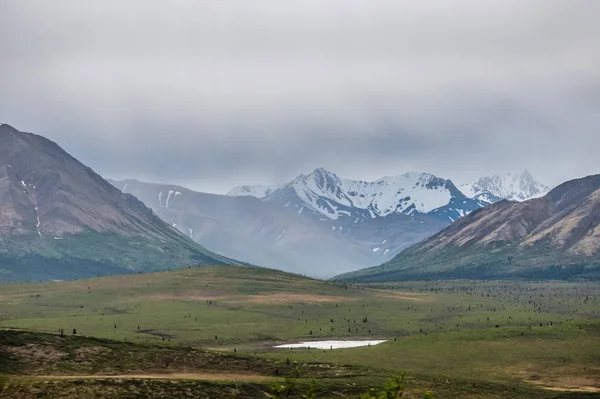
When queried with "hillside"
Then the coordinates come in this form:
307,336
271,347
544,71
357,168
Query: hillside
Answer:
555,236
61,220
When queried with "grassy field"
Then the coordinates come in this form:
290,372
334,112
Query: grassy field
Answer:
459,338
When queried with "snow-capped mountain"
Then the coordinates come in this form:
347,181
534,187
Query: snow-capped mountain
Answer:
318,224
257,191
511,186
332,197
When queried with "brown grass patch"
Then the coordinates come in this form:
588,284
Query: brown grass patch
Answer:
566,379
179,296
283,297
405,296
34,352
84,354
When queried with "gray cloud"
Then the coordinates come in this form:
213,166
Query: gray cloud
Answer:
213,94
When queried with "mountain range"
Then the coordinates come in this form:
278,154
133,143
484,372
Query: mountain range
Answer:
554,236
61,220
329,195
318,224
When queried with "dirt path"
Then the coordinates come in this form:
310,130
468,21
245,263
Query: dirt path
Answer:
569,385
174,376
583,390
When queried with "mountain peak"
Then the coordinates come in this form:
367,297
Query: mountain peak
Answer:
6,127
416,175
50,203
510,186
258,191
7,132
318,173
526,174
323,171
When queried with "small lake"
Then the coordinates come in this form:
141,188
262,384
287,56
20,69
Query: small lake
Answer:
329,344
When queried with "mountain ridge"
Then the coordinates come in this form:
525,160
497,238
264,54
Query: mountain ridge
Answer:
327,195
362,223
332,196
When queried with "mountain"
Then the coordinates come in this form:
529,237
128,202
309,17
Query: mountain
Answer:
554,236
60,220
330,197
511,186
247,228
318,224
256,191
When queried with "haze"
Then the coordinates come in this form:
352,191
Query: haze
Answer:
214,94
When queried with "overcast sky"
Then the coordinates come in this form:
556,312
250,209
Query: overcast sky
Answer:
211,94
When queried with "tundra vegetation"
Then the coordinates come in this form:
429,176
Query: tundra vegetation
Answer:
211,332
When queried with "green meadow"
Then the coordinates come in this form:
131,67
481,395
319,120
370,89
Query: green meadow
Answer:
454,338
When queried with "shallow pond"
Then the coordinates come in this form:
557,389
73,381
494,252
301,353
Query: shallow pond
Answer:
329,344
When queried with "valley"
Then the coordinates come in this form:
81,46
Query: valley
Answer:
453,338
299,200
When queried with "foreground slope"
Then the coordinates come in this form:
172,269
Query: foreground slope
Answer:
557,235
73,366
60,220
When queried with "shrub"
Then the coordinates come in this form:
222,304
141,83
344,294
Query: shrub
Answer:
394,389
3,382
